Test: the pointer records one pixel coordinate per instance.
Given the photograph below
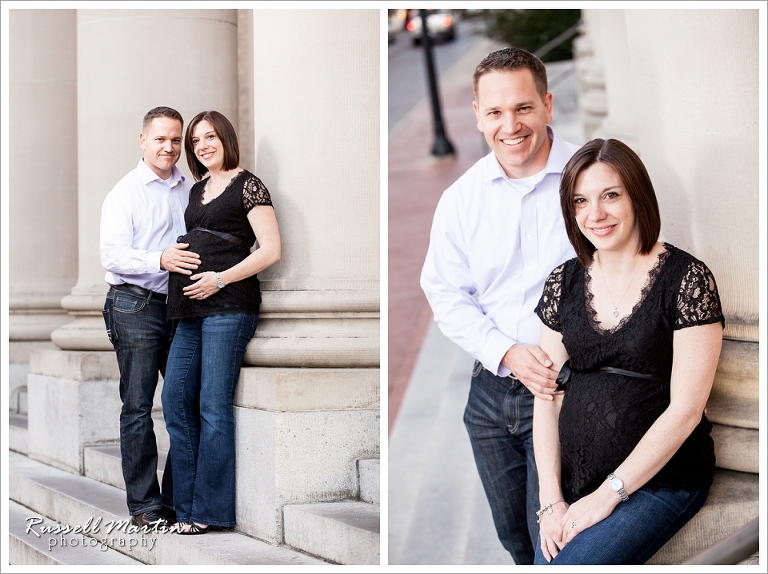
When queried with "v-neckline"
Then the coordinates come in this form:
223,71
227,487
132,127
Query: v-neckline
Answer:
650,281
231,181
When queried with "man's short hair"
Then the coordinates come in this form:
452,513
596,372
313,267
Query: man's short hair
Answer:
161,112
636,182
511,60
226,132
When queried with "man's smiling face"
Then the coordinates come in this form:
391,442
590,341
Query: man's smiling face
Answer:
513,117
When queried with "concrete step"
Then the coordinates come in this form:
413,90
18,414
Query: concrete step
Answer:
733,501
737,448
343,532
103,463
369,476
18,434
44,549
78,501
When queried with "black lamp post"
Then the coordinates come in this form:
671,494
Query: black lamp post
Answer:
442,147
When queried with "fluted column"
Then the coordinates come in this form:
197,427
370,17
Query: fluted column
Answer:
42,178
590,73
621,119
307,406
705,167
128,62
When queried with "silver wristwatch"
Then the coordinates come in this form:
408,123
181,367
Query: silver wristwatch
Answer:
219,282
617,486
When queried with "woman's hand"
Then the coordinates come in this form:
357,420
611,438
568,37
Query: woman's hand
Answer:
587,512
550,531
204,287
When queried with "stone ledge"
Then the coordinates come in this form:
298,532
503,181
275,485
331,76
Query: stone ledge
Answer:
75,365
72,500
733,501
307,389
27,549
369,476
344,532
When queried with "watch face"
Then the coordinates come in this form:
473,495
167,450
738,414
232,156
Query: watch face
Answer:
616,484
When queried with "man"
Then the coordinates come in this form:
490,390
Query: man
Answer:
140,220
496,235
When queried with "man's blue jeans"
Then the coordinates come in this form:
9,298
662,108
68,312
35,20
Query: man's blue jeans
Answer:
499,420
141,336
634,531
203,368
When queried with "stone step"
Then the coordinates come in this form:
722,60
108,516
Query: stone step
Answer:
103,463
369,475
18,436
73,500
342,532
733,501
736,448
45,549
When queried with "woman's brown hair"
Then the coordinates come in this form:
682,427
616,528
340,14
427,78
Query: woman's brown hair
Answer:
635,180
225,131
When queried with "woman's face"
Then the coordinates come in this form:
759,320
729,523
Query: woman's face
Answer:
604,210
207,146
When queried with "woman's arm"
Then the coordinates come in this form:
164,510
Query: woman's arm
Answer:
696,353
546,447
264,224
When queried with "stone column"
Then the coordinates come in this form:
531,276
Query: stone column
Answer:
43,182
128,61
308,405
590,74
695,78
621,121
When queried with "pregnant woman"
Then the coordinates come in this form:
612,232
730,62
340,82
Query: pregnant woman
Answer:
218,310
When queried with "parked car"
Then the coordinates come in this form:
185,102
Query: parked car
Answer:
440,23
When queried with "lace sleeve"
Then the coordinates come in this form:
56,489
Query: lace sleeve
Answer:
548,307
698,302
255,193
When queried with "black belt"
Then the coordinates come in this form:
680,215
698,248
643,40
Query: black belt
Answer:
565,374
229,237
141,292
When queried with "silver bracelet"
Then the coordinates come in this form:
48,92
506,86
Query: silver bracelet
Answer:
547,509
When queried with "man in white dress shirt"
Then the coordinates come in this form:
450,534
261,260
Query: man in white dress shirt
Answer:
496,235
140,220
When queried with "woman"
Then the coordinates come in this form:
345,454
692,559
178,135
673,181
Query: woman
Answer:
218,311
623,451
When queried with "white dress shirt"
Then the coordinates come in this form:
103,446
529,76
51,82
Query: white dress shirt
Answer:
494,241
140,218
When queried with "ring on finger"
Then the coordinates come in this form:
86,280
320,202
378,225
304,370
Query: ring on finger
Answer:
573,525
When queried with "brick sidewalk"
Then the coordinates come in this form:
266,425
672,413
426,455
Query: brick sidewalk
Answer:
416,182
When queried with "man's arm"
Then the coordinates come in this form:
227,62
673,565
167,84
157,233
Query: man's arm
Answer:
116,246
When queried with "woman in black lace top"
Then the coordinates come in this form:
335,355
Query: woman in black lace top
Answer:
623,451
218,310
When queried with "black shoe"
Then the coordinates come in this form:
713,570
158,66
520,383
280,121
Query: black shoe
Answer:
150,518
193,529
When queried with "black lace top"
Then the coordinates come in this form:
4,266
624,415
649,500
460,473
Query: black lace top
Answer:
227,213
604,415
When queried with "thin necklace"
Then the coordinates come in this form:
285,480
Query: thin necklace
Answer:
615,311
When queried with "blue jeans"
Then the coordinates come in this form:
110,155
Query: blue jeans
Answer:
199,387
141,336
634,531
499,420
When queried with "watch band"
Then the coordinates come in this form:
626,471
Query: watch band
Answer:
620,490
219,283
